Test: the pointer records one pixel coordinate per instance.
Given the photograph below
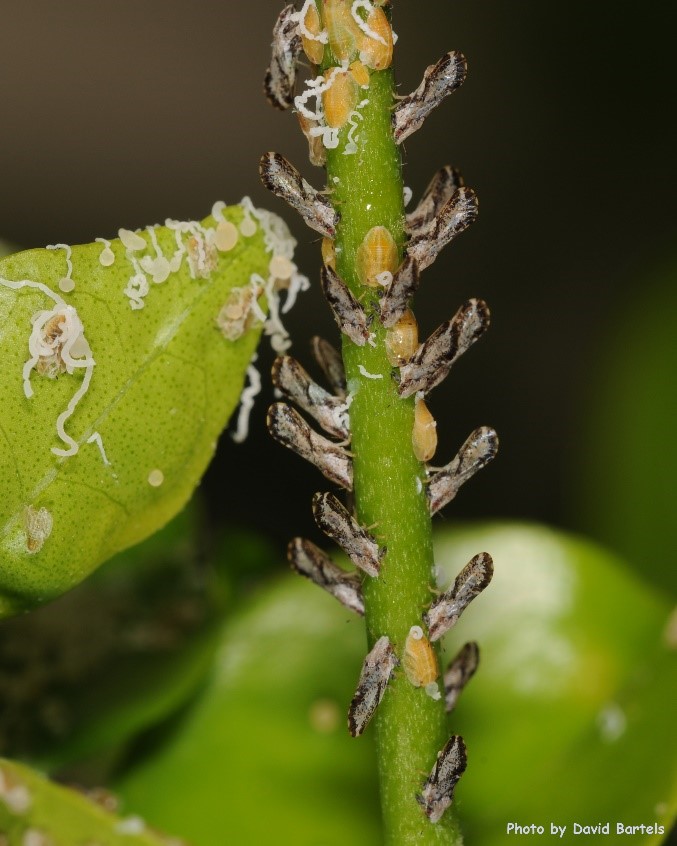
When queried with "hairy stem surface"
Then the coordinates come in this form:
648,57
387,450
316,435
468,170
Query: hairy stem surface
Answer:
366,188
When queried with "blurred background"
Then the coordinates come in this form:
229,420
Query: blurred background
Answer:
123,114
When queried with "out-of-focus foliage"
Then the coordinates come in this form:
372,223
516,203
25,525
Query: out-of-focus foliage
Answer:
566,720
84,674
164,381
626,479
34,811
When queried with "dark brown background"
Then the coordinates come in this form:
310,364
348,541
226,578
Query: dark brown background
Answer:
123,114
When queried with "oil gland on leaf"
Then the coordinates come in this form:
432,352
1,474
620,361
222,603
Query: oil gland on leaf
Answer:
146,381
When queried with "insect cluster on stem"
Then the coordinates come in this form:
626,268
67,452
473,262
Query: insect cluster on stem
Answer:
358,38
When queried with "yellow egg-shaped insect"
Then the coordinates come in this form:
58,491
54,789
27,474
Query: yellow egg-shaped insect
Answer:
345,36
376,254
377,53
328,249
312,47
424,433
419,661
340,99
359,73
402,339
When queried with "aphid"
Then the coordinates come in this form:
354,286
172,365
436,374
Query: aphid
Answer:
438,82
282,178
296,385
445,611
453,218
402,339
309,561
331,364
310,22
377,253
478,450
291,430
438,790
340,99
377,47
459,672
38,523
420,662
395,301
377,670
433,360
335,521
317,152
278,84
442,187
328,249
424,433
348,313
345,37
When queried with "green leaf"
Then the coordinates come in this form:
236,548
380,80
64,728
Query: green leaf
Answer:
79,487
35,811
567,719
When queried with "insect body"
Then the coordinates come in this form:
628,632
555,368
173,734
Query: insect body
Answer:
348,313
454,217
282,178
309,561
278,84
441,189
330,362
402,339
291,430
433,360
296,385
470,582
477,451
420,662
438,82
401,289
438,790
377,671
424,434
459,672
358,543
376,254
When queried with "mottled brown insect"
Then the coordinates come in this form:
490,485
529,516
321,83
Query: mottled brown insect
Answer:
433,360
348,313
441,189
445,611
439,81
282,178
404,284
317,152
377,670
331,364
459,672
291,430
278,84
360,546
477,451
309,561
454,217
438,790
296,385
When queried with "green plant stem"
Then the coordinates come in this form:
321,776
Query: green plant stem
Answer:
388,479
